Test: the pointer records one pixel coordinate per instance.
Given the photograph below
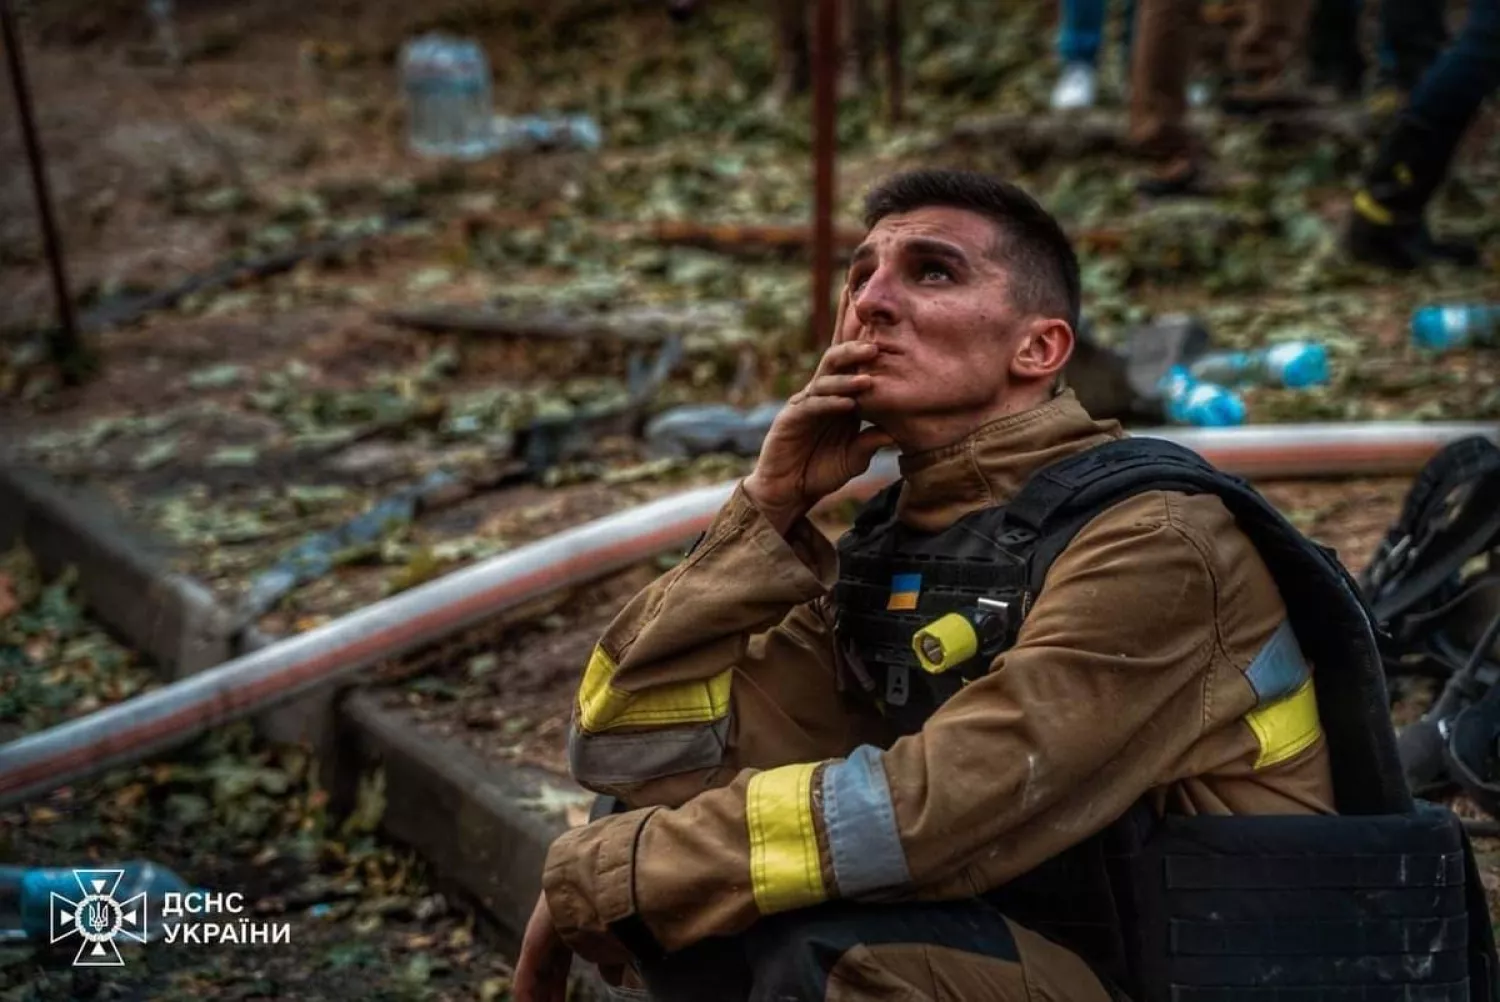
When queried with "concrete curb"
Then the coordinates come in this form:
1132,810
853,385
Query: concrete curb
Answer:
463,814
482,826
123,575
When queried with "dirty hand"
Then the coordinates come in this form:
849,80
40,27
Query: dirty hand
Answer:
815,445
542,967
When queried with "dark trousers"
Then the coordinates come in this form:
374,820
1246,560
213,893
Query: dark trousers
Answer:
1449,95
845,951
1412,34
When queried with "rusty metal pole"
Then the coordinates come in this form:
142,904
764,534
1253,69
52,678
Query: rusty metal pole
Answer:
895,81
825,143
66,344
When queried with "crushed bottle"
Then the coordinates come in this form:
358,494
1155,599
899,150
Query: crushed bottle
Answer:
528,133
698,429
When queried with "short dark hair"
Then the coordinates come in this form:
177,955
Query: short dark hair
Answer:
1046,269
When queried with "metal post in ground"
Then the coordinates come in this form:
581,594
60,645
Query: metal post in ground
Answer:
895,78
825,142
67,347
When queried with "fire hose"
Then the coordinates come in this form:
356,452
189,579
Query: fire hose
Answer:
175,714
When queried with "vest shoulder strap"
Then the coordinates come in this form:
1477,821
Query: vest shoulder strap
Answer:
879,510
1327,611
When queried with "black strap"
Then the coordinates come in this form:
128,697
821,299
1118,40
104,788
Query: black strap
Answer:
1326,607
879,510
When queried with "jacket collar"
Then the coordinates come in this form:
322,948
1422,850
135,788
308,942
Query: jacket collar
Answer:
988,466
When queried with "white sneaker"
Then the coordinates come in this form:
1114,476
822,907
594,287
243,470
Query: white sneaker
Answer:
1076,88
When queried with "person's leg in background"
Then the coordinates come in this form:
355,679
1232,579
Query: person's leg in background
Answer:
1413,33
1333,52
1079,32
1388,223
1127,34
1262,54
1416,33
1166,33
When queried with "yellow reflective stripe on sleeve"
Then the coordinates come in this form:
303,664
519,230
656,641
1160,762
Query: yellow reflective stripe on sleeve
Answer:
785,869
601,706
1286,727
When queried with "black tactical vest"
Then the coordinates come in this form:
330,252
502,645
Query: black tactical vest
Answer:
1380,903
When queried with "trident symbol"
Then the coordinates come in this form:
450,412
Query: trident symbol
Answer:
96,914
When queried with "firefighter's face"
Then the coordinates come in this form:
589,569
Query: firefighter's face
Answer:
928,288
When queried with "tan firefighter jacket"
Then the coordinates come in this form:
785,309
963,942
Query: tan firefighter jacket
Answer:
1157,662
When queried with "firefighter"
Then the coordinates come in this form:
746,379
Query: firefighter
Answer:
949,759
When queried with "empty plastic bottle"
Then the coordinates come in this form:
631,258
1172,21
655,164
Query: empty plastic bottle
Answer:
449,109
162,20
1442,328
695,429
27,910
546,132
1293,364
1208,405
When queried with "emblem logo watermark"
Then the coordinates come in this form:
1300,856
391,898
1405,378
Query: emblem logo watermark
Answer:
97,918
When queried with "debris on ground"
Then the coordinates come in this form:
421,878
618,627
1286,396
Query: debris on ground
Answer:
231,814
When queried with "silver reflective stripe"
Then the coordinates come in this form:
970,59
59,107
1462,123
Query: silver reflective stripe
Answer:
861,825
611,758
1279,668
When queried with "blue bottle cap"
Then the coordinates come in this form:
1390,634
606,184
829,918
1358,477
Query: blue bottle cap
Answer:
1437,328
1302,364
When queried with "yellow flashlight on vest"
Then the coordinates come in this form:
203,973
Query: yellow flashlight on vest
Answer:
945,642
951,640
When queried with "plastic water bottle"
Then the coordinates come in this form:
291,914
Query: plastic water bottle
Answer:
544,132
1207,405
1293,364
447,84
161,12
696,429
1442,328
26,897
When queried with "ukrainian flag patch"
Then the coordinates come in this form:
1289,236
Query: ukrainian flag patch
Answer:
905,588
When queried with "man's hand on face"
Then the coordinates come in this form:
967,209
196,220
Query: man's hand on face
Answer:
815,445
542,967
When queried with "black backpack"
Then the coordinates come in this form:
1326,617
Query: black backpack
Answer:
1433,586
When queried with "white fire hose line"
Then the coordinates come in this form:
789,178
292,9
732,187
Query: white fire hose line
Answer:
175,714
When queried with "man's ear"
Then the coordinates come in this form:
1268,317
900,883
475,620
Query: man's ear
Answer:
1046,345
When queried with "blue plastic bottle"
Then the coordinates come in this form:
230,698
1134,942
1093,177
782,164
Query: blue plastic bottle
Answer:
1208,405
26,895
1443,328
1292,364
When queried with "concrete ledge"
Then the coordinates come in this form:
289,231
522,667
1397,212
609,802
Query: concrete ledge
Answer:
463,814
124,577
